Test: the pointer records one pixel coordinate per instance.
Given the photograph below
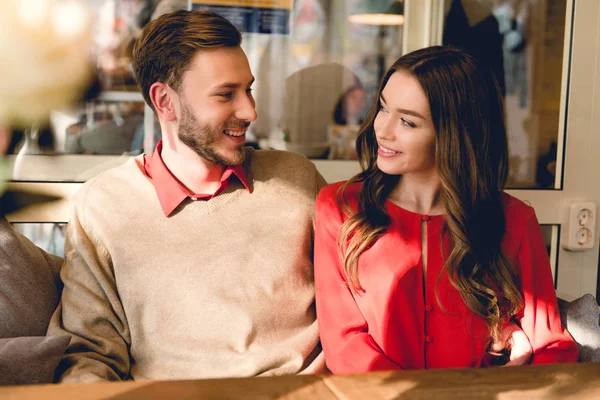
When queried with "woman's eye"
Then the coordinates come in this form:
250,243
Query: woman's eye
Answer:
406,122
384,110
225,95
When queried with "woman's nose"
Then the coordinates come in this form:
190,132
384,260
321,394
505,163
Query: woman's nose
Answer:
385,129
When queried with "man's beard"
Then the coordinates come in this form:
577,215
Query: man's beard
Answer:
203,139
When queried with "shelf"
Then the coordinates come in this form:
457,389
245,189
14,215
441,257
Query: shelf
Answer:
80,168
121,96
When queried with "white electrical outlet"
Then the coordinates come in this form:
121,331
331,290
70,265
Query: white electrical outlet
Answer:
580,227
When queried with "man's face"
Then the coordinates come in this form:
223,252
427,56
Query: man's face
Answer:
217,105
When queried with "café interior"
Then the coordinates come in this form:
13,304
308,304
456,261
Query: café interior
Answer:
317,65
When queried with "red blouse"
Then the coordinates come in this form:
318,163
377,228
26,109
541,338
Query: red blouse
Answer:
392,324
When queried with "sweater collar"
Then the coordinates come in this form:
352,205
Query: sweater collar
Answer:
171,193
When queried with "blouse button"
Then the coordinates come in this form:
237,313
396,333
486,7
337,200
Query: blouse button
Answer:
428,339
428,307
425,217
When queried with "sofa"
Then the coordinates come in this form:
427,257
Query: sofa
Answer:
30,291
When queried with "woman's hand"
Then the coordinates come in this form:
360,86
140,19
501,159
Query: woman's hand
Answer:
516,343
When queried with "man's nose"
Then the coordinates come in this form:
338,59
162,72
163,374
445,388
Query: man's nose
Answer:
246,110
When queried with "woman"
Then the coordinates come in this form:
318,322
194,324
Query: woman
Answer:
421,260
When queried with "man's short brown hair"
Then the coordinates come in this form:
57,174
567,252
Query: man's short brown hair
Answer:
168,44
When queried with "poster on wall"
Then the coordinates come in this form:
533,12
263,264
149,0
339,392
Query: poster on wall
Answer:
253,16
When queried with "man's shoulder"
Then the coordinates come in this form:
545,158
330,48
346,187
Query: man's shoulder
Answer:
263,163
113,180
278,157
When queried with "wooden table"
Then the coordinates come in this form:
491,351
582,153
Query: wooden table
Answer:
564,381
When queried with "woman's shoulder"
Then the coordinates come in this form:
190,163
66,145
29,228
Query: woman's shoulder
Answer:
519,216
339,191
515,209
334,197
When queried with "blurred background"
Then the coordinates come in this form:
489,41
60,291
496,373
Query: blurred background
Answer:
318,64
318,67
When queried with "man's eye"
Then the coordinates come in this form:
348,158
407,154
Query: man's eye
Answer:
249,91
225,95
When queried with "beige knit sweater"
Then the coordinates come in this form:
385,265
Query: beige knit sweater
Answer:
221,288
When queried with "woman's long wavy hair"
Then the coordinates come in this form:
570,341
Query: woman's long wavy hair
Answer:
471,158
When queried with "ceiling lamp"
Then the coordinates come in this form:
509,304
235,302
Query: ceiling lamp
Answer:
378,12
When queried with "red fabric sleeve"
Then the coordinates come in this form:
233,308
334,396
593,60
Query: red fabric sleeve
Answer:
348,346
541,319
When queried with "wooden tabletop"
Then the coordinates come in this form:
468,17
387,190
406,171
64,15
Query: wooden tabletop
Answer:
563,381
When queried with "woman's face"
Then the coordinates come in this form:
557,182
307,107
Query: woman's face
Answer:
404,129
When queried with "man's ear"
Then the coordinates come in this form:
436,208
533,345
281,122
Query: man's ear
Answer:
164,99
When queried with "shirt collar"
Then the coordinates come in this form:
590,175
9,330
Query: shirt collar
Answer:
171,193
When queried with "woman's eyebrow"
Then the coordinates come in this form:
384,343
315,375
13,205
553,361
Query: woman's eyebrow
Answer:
403,110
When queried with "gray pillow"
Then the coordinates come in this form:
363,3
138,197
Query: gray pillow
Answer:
29,285
29,360
581,318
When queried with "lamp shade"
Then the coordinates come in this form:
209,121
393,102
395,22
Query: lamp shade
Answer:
378,12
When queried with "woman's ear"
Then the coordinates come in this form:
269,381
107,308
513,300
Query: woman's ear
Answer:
164,99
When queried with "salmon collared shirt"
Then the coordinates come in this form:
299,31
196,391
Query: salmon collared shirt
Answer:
171,192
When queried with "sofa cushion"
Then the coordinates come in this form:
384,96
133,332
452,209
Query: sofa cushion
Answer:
581,318
29,360
29,285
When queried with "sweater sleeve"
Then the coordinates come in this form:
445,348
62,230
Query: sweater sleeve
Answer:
347,345
90,311
541,319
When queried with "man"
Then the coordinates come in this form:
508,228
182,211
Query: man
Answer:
194,261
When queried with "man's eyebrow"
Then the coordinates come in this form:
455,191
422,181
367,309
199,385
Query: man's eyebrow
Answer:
231,85
403,110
